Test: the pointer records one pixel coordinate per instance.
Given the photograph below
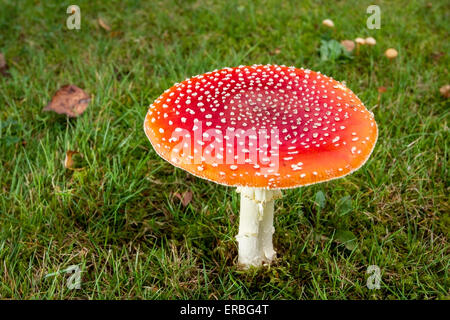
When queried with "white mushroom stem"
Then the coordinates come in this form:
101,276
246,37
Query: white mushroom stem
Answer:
256,226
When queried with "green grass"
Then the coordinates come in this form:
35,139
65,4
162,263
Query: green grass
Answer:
117,217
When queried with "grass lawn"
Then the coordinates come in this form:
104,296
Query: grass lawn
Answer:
117,216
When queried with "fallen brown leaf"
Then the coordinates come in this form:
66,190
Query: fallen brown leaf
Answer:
3,65
69,100
185,198
382,89
115,34
2,61
68,161
437,55
445,91
103,24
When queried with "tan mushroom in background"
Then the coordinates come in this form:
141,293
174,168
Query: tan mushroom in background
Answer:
381,90
348,45
328,23
391,53
359,42
370,41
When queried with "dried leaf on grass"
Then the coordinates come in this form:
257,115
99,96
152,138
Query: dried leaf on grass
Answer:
382,89
185,198
2,61
436,56
68,161
103,24
3,65
445,91
69,100
115,34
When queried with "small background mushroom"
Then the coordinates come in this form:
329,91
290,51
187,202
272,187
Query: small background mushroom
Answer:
328,23
359,42
391,53
370,41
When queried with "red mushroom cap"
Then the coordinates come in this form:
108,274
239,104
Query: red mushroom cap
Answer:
264,126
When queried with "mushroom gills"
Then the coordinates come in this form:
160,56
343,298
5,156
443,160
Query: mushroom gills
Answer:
256,226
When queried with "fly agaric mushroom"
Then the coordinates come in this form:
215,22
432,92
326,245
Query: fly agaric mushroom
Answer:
261,128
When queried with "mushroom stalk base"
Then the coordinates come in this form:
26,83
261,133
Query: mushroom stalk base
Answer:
256,226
